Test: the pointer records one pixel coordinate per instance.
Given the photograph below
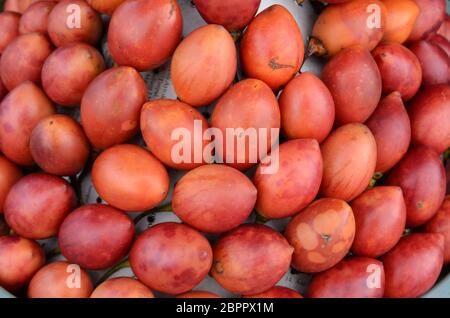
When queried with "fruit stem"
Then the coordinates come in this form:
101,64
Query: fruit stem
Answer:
123,264
377,176
406,232
260,219
315,47
164,208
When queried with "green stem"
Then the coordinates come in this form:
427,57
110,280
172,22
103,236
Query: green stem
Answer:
375,179
164,208
123,264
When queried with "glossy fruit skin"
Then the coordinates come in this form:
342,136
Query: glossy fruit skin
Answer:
205,58
111,106
23,59
144,34
95,236
214,198
306,100
296,182
59,146
349,160
401,16
430,115
277,292
380,217
349,279
440,223
400,69
391,129
163,261
421,176
19,6
122,287
353,68
321,235
432,14
20,258
20,111
9,26
198,294
69,70
440,41
130,178
37,205
249,104
105,6
413,266
250,259
9,175
273,55
51,282
35,18
90,29
159,120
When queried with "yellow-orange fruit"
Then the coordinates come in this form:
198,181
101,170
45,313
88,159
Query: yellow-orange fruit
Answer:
401,16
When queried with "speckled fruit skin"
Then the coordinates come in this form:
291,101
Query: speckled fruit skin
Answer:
321,235
350,279
349,160
272,54
206,58
234,15
277,292
432,14
296,182
249,104
380,218
69,70
421,176
9,175
60,33
20,111
95,236
144,34
430,114
35,18
307,108
355,68
37,205
20,258
401,15
130,178
391,129
413,266
250,259
105,6
160,119
198,294
9,26
122,287
51,282
440,223
171,258
214,198
111,106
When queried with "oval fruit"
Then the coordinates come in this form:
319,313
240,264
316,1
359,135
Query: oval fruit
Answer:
277,292
432,14
9,175
105,6
401,16
35,18
122,287
440,223
9,28
198,294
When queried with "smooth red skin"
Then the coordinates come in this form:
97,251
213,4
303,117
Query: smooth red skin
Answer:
23,59
444,30
19,6
380,218
96,236
413,266
391,129
250,259
111,106
348,279
122,287
296,182
421,176
234,15
273,55
440,223
430,114
277,292
20,259
159,119
69,70
204,65
321,235
51,282
440,41
214,198
9,26
198,294
105,6
59,146
401,16
248,104
9,175
35,18
432,14
349,161
353,78
144,34
307,108
20,111
171,258
90,22
130,178
434,62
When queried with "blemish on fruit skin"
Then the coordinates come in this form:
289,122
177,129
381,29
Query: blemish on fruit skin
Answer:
338,247
420,205
326,222
307,237
218,268
274,65
316,257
